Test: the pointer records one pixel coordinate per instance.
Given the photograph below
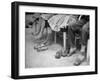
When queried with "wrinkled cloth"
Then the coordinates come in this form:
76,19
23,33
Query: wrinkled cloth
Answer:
38,27
46,16
30,18
60,21
80,27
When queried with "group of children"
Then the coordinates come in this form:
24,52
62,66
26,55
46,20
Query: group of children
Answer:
44,27
79,29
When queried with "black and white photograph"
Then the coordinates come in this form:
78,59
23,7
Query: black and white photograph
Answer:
55,40
51,40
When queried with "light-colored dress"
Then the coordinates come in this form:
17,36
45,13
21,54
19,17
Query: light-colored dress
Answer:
60,21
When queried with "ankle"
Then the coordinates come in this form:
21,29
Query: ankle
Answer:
83,48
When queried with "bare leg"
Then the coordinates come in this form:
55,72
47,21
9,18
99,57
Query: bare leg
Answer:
45,42
64,49
48,33
55,38
63,52
85,33
36,29
40,33
71,40
64,40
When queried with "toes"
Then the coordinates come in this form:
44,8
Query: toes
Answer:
42,49
77,63
58,54
65,53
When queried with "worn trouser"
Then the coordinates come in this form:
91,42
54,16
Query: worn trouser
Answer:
77,28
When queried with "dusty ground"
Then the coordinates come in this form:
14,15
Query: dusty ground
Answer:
34,59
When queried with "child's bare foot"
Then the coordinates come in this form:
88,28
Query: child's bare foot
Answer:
80,58
72,50
58,54
39,46
65,53
42,49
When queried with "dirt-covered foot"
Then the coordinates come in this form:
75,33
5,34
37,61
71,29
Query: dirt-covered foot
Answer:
79,59
39,46
44,48
58,54
65,53
72,51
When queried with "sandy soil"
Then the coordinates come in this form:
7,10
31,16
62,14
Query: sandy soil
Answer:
34,59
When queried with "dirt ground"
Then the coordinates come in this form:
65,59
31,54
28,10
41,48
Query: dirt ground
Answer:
34,59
